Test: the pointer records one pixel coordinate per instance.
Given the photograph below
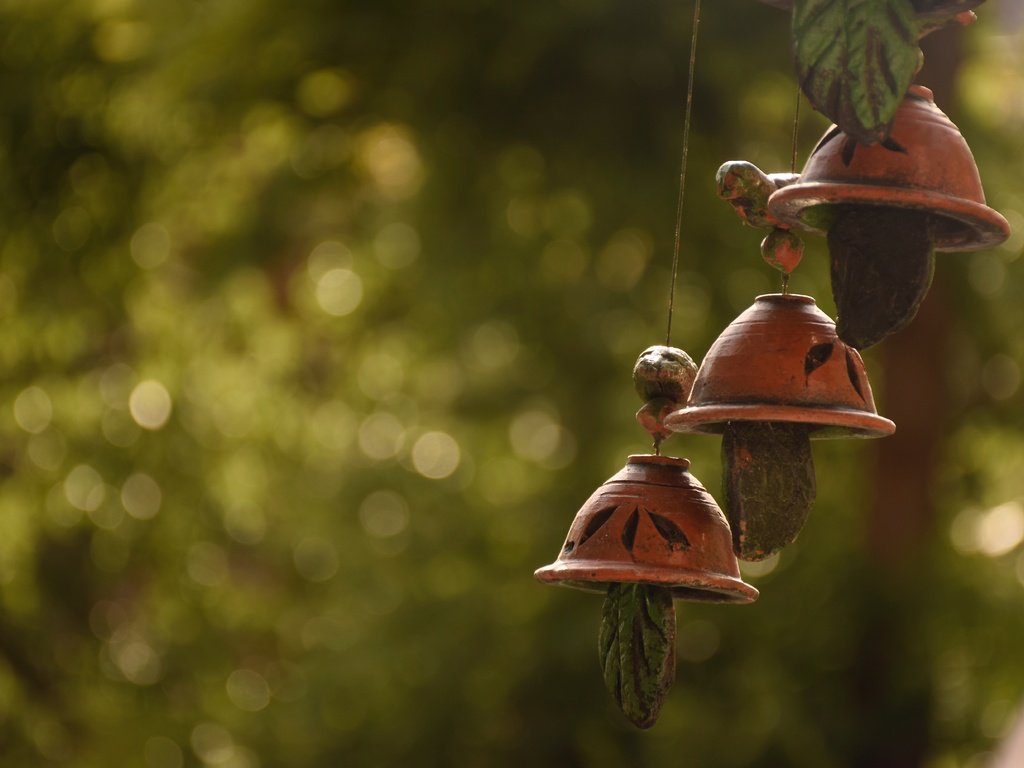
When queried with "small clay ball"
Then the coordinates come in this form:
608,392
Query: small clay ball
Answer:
664,372
782,249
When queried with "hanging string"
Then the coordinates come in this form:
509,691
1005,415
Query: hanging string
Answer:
796,126
682,172
792,167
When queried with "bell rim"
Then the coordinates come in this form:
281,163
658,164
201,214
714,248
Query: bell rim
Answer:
785,298
693,586
841,422
657,460
989,227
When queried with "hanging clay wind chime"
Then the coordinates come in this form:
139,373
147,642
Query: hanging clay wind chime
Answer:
776,377
893,180
886,208
891,183
650,534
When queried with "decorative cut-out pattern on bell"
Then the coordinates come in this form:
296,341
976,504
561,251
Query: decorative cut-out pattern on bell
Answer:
926,166
652,522
782,361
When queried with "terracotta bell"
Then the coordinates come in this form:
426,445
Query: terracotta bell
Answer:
781,360
652,522
926,165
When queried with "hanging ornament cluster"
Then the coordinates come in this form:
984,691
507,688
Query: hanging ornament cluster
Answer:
888,187
783,372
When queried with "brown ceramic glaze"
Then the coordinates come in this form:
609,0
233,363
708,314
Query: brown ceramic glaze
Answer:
928,168
652,522
781,360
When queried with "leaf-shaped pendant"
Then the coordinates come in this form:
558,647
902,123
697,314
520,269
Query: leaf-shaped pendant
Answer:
768,477
855,60
637,649
882,265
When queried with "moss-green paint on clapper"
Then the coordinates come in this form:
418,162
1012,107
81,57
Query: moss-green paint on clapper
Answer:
637,649
768,478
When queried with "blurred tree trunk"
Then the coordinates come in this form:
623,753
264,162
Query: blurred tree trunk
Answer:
891,682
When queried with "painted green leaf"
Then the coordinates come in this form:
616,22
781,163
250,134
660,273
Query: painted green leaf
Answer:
637,648
855,60
769,484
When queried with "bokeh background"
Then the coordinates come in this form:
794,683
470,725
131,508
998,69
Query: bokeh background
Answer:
318,321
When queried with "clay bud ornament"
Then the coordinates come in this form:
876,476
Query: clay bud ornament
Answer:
662,376
747,189
782,250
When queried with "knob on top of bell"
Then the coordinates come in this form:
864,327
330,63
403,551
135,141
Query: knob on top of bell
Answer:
652,522
926,165
782,361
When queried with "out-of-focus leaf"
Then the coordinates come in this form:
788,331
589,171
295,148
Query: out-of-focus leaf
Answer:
855,60
637,646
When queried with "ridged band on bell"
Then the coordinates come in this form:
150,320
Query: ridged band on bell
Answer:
653,523
927,166
782,361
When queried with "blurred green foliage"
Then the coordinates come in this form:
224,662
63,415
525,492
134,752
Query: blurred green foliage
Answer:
318,326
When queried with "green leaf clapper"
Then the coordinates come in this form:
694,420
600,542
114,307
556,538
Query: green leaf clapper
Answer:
768,477
637,647
855,60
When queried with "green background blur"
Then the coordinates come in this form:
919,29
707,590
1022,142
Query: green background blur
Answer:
318,321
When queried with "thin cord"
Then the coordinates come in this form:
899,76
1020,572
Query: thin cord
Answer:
792,169
682,172
796,126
